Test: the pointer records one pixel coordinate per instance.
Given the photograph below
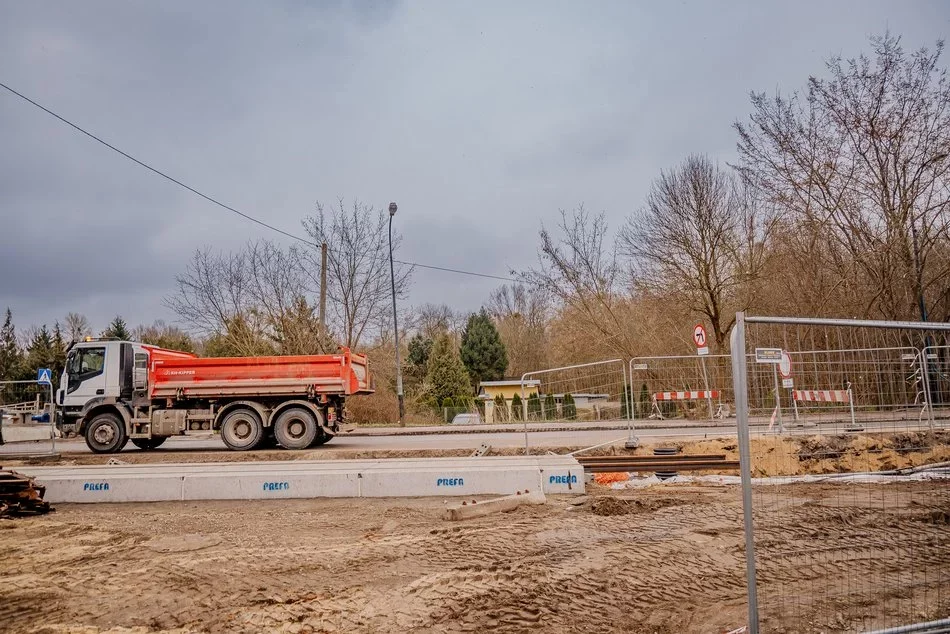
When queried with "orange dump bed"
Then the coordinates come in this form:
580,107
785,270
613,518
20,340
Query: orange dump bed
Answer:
191,377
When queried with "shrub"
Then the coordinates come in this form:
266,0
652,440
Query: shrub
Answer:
568,408
646,405
550,407
534,406
501,409
517,408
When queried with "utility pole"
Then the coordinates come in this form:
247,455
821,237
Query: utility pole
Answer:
392,277
323,289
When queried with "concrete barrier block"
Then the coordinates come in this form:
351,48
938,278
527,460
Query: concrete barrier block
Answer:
563,480
306,479
259,486
95,488
448,481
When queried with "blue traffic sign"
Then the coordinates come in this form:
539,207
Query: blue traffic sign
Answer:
44,376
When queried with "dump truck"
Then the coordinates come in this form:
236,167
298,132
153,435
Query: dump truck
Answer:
112,392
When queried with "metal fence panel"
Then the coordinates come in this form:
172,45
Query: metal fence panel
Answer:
595,392
865,544
27,407
682,387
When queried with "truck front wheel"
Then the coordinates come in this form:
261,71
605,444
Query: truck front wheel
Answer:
242,430
106,434
296,428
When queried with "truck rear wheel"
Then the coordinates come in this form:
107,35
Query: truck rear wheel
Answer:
296,428
106,434
146,444
242,430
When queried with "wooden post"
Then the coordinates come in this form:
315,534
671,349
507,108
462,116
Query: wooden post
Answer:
323,287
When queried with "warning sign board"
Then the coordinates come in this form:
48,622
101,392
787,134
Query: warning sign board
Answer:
768,355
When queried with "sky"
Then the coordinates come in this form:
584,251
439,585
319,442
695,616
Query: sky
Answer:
480,119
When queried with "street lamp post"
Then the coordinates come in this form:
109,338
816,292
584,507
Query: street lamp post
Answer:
392,277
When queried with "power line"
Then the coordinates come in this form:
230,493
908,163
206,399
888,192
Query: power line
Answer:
442,268
219,203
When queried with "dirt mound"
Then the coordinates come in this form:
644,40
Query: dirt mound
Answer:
821,447
609,506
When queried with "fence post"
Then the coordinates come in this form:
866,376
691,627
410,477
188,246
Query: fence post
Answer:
702,361
632,441
925,369
741,389
851,405
778,400
524,415
52,418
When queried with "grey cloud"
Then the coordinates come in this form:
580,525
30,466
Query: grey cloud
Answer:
481,120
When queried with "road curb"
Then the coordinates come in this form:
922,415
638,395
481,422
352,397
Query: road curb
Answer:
481,429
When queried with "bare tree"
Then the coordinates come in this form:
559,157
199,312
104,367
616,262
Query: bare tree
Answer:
164,335
76,327
579,268
699,237
432,320
863,161
213,291
358,277
249,302
521,315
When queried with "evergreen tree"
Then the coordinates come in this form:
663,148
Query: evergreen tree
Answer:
517,408
569,408
11,359
550,407
59,351
446,376
501,409
645,403
117,329
448,402
534,406
483,352
40,353
626,401
418,358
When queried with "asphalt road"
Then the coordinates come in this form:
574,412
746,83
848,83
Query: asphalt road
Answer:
381,440
572,438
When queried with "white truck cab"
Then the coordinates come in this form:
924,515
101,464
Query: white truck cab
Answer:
97,372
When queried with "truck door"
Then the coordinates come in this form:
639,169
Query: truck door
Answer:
85,375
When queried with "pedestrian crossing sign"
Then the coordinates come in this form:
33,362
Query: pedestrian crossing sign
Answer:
44,376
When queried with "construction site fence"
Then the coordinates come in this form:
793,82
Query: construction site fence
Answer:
896,381
596,391
27,405
867,541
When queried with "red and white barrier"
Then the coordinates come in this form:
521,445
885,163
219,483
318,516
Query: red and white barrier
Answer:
694,395
822,396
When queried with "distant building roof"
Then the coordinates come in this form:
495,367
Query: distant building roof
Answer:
509,383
